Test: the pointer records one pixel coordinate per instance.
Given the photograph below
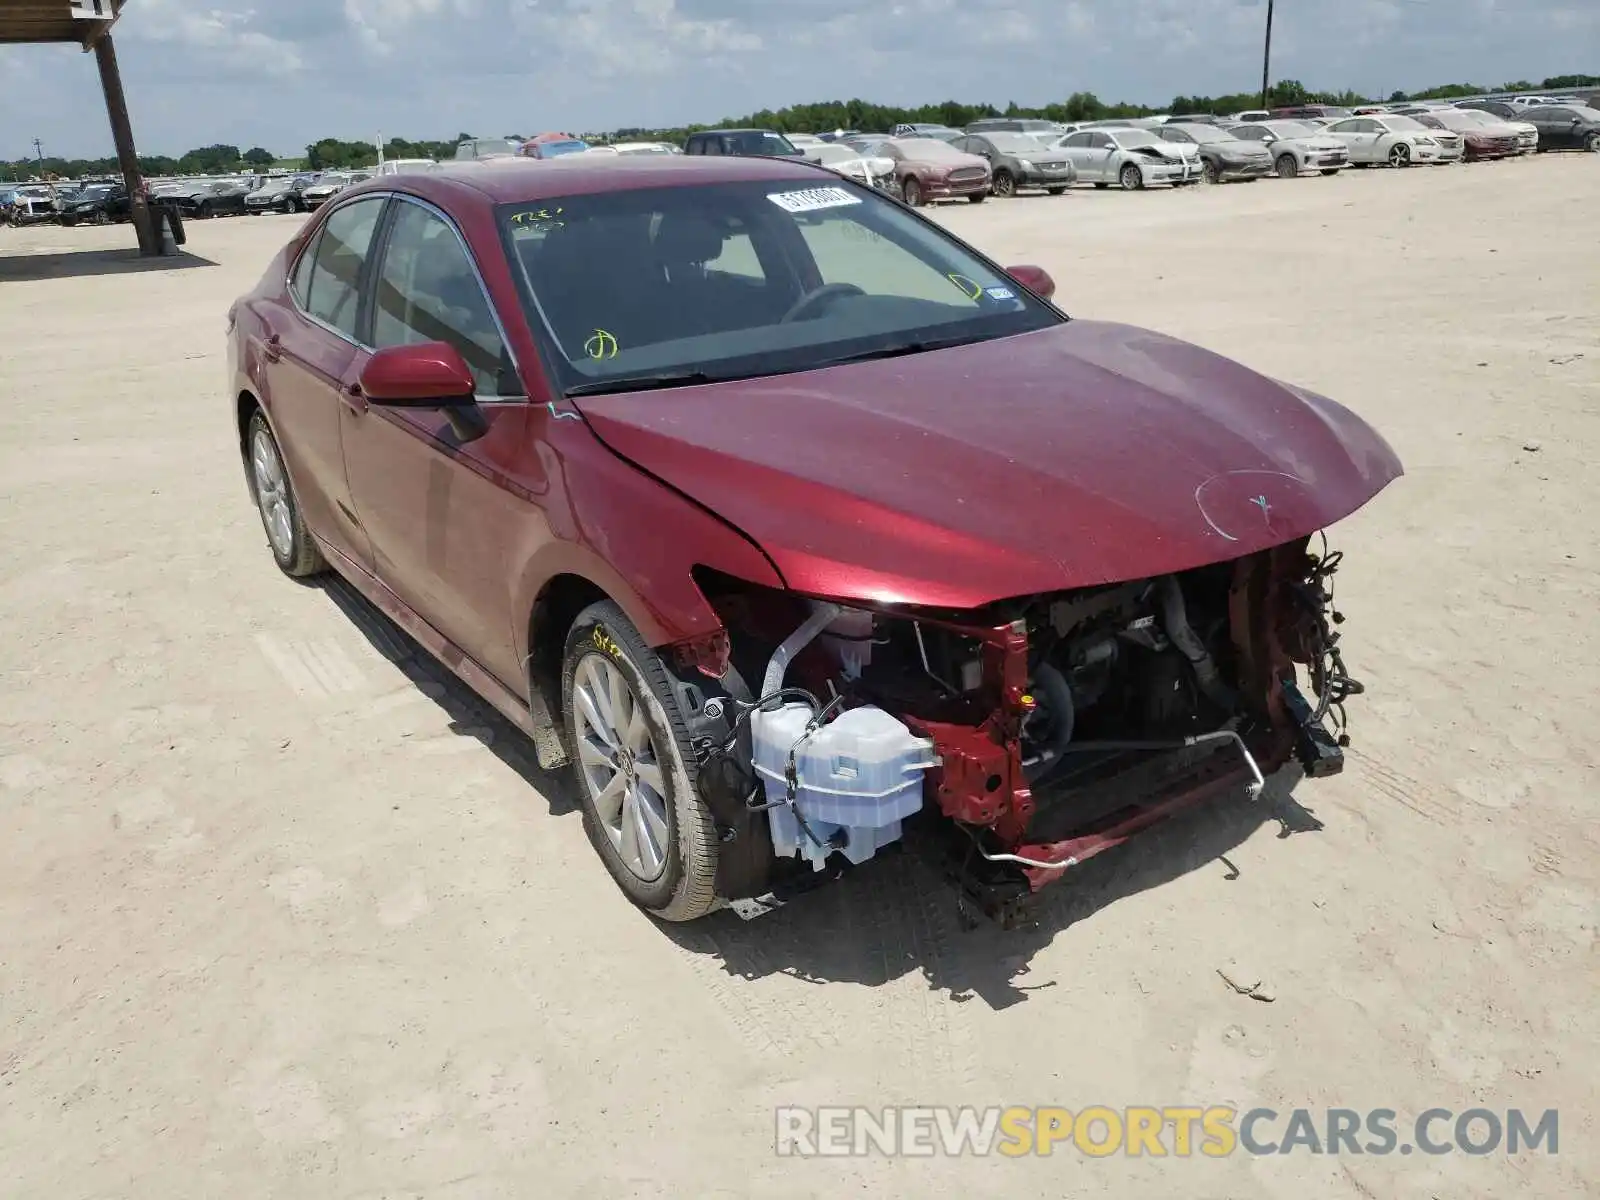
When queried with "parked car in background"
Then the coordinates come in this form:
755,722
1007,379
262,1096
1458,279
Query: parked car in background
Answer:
552,145
220,198
1223,157
1478,142
280,195
1132,158
404,166
97,204
475,148
1565,127
741,143
1252,114
1035,125
1019,160
875,171
925,130
933,169
631,149
832,451
838,135
1397,141
330,185
805,141
1525,133
1296,147
1300,112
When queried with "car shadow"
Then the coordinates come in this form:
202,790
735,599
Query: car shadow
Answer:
898,913
470,715
77,264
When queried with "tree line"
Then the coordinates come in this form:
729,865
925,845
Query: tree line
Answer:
336,154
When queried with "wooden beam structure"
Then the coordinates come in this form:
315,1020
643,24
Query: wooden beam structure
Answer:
87,23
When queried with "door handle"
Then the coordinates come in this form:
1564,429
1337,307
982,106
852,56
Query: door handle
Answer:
272,351
353,397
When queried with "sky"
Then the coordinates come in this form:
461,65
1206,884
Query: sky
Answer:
282,73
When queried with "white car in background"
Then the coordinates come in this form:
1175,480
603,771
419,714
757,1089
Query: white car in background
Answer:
1397,141
1296,147
1131,158
805,141
633,148
405,166
872,170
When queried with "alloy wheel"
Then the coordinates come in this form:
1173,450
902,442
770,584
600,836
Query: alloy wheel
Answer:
1400,156
272,494
621,766
1004,185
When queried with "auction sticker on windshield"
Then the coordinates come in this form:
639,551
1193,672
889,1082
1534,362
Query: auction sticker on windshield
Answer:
812,199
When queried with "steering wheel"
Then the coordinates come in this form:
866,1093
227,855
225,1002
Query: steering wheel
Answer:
817,297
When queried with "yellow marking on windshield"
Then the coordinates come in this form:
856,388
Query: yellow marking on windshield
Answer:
970,288
602,344
549,218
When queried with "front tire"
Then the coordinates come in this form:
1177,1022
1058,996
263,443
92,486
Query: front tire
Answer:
292,205
1592,143
1288,167
1131,178
636,773
1400,155
1333,171
297,555
912,193
976,198
1054,191
1004,185
1209,173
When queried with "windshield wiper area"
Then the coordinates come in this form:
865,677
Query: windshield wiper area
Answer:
897,350
644,383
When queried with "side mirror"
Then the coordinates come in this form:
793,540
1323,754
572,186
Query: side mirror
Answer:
426,375
1036,279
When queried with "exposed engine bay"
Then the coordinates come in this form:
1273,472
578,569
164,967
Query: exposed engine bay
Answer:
1026,737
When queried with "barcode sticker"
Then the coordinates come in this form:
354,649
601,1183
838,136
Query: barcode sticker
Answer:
813,199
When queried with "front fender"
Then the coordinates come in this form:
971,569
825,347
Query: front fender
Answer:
631,536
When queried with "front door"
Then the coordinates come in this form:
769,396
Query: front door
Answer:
444,518
308,355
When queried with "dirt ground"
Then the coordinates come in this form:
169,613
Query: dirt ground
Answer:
285,912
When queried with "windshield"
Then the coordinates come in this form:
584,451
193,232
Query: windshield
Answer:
832,154
759,144
732,280
930,150
1134,137
1014,143
1405,124
1291,129
551,149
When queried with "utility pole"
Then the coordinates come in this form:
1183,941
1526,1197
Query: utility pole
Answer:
38,152
1266,59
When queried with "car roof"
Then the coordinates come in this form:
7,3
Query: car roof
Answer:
517,181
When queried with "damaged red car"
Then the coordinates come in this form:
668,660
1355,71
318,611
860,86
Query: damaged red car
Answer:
795,526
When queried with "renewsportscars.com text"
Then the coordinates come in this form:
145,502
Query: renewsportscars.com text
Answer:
1176,1131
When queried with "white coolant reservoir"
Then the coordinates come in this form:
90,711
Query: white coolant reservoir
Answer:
856,779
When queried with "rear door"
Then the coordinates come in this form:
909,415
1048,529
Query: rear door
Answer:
308,352
442,516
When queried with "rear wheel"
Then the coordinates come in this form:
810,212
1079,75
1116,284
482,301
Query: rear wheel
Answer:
1131,178
1004,184
1288,166
296,553
293,205
630,749
102,217
1592,143
204,211
912,192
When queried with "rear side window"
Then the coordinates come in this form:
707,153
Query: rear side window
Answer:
331,294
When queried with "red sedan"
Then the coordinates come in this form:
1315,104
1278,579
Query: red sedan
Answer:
796,526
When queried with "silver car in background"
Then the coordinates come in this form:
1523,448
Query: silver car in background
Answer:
1019,160
1295,147
1131,158
1223,156
330,185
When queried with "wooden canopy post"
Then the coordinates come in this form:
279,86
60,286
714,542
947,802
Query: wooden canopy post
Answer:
105,56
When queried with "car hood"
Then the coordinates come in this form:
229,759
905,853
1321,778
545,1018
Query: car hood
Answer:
1082,454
